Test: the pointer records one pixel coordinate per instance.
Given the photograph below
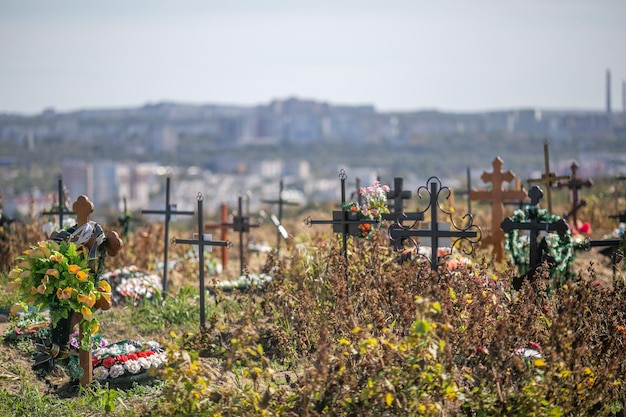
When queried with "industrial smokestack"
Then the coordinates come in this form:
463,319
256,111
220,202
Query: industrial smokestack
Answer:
624,96
608,91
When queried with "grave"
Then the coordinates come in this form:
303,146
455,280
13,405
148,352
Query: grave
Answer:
534,221
344,221
497,196
574,184
202,240
548,179
280,202
169,211
436,232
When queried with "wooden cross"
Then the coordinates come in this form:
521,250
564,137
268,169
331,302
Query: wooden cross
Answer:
242,225
574,184
280,202
223,227
398,233
343,221
168,212
519,204
497,195
548,179
534,227
61,208
399,195
201,241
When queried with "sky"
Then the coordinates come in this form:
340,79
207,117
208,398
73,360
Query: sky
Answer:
397,55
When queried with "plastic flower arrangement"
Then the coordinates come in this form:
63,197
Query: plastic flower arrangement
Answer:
373,207
126,359
558,246
56,276
132,283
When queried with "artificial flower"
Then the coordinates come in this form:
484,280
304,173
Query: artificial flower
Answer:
73,269
53,272
87,313
88,299
82,275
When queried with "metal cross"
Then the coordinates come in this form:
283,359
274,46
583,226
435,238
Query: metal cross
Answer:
398,195
223,227
242,225
201,242
344,221
574,184
496,196
61,208
280,202
548,179
168,212
398,233
534,227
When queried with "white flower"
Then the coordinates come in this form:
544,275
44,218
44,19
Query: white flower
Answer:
132,366
144,362
116,370
527,353
100,373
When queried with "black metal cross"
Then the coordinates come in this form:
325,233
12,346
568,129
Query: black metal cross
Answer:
168,212
241,224
534,227
398,195
344,221
201,241
278,222
61,209
398,233
574,184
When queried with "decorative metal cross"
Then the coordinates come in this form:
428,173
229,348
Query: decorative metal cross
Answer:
170,209
201,242
471,233
399,195
497,195
61,209
223,227
574,184
344,221
534,227
280,202
548,179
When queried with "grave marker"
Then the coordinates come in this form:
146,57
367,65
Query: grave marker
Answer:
61,209
223,227
534,227
343,221
548,179
399,195
398,233
497,196
241,224
278,220
168,212
201,242
574,184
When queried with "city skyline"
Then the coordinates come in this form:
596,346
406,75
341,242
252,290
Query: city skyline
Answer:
397,56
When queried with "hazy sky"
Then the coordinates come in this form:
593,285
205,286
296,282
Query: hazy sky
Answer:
451,55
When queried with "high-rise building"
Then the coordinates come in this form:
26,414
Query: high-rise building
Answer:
608,91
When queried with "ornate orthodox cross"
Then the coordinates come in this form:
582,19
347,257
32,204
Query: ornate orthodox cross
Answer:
497,196
61,209
169,211
343,221
574,184
398,233
201,241
534,227
548,179
278,220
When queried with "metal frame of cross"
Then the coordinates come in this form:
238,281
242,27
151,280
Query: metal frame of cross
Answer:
496,196
61,208
201,242
575,184
223,227
341,222
613,249
280,202
471,233
399,195
241,224
534,227
548,179
168,212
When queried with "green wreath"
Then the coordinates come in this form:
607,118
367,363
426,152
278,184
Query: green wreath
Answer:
560,247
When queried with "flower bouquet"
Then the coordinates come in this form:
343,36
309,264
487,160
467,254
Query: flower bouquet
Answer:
373,206
127,360
56,276
131,283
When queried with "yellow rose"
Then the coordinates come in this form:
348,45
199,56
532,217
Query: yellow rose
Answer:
82,275
88,300
73,269
86,312
53,272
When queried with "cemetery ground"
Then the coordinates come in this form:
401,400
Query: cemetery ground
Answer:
360,335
